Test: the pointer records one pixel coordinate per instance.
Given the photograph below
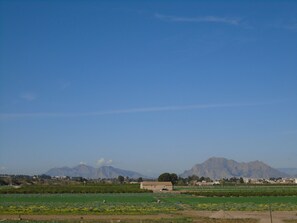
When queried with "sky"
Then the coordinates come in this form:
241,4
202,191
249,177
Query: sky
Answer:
149,86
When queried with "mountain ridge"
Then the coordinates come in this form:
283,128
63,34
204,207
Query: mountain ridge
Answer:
291,171
103,172
219,167
214,168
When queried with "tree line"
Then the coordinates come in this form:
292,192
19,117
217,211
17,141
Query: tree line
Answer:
181,181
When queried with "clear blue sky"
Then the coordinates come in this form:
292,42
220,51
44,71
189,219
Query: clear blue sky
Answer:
150,86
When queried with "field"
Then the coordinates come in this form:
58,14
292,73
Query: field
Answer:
136,203
84,204
73,188
152,207
240,191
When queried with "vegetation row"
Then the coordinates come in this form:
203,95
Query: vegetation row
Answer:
241,193
60,189
139,204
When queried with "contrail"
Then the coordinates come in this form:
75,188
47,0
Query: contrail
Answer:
4,116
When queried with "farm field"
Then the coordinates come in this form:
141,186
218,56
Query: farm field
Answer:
244,190
73,188
84,204
149,207
136,203
245,187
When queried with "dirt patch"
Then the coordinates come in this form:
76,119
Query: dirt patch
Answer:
220,214
196,216
83,217
262,217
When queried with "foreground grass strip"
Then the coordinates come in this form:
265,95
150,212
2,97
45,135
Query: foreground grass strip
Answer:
115,219
162,220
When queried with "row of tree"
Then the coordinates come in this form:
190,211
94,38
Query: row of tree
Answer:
175,180
44,179
17,180
172,177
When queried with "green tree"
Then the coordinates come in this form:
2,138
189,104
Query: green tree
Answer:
181,181
164,177
121,179
172,177
241,180
193,177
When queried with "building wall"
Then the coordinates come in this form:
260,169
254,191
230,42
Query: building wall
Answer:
156,186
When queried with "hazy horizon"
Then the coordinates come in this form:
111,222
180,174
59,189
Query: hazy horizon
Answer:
149,86
108,163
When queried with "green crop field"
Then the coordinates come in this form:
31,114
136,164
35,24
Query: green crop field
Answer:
254,203
246,190
73,188
134,203
47,201
83,204
238,188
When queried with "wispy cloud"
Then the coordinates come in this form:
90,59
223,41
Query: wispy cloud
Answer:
28,96
102,162
200,19
4,116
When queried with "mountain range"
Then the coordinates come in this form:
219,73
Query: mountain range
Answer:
290,171
218,168
214,168
103,172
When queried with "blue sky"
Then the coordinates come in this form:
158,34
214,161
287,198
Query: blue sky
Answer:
150,86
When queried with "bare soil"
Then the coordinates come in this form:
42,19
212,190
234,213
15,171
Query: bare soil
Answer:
262,217
197,216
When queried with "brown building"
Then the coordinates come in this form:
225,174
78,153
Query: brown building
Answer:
156,186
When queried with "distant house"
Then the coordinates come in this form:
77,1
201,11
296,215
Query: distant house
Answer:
204,183
156,186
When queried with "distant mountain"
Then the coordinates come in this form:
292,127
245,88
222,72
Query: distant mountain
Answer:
82,170
291,171
218,168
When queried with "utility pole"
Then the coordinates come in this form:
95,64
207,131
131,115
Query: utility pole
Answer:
270,213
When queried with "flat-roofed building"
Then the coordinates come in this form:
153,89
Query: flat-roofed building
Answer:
156,186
